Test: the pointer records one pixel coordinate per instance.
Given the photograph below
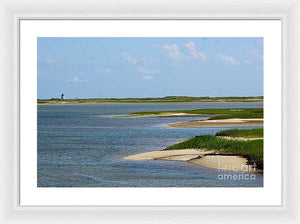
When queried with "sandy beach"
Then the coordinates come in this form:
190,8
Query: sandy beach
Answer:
236,122
219,123
176,155
161,115
206,158
223,162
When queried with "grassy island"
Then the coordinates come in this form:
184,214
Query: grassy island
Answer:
214,113
252,150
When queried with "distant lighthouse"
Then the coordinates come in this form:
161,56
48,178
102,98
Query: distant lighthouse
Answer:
62,96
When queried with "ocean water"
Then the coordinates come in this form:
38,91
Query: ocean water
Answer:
79,147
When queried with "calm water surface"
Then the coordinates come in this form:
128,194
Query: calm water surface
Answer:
79,147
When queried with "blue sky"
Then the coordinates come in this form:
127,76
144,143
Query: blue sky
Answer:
149,67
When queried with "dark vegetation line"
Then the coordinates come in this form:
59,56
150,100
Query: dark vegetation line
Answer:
167,99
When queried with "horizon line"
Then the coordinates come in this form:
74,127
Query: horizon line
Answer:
153,97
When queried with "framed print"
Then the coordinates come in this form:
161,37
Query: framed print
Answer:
115,112
133,112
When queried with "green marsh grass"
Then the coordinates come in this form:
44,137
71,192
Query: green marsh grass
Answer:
252,150
217,113
243,133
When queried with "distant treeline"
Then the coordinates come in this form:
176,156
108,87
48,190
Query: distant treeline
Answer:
167,99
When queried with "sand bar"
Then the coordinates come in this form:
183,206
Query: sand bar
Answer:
182,155
199,157
219,123
199,123
223,162
162,115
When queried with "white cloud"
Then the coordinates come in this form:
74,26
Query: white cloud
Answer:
255,51
49,60
228,60
173,51
148,77
76,79
155,45
191,46
127,57
145,71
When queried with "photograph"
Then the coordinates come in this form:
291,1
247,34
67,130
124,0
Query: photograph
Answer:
150,112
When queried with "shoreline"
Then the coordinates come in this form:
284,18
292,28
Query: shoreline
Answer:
206,158
250,122
40,104
160,115
233,122
229,150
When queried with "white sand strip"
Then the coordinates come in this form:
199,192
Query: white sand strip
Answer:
168,154
219,123
223,162
198,157
161,115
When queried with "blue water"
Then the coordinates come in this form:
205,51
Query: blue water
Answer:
79,147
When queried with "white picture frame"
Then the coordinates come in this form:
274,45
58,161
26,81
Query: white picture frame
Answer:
268,195
10,212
